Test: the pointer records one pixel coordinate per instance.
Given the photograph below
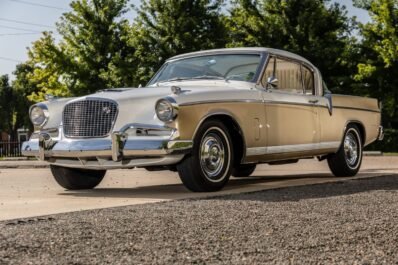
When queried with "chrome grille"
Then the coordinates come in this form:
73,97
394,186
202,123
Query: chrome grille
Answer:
89,118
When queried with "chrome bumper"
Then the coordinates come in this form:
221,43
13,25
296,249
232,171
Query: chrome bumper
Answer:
380,135
117,152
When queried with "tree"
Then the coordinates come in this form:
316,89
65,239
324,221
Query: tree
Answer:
23,87
365,4
383,28
164,28
44,71
92,53
379,65
317,30
12,108
6,105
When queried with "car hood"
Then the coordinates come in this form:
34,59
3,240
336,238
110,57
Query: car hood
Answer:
137,105
187,87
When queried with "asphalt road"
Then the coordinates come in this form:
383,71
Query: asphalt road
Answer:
296,214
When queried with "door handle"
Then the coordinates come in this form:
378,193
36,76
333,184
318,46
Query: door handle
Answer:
313,101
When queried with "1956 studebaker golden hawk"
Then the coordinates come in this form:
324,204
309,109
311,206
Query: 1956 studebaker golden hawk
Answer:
208,115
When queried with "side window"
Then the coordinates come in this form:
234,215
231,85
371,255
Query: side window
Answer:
308,81
288,74
269,71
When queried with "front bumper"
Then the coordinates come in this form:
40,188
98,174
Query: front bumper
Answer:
118,152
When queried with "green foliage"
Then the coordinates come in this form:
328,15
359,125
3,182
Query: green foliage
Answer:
92,54
43,70
317,30
378,63
24,87
389,143
165,28
13,108
6,105
384,30
365,4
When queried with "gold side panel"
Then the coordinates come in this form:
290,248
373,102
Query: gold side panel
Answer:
249,116
364,103
333,126
289,124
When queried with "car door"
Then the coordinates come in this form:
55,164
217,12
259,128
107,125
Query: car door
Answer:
292,123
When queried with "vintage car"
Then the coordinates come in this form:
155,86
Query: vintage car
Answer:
207,115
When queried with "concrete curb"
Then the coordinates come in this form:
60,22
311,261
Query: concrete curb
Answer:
23,164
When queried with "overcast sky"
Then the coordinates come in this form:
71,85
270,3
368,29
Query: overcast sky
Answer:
21,22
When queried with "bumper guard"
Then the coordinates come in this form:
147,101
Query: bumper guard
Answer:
118,148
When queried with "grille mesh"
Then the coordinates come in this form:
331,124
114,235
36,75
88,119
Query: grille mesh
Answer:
89,118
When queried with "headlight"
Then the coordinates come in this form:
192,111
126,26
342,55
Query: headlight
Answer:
39,114
166,109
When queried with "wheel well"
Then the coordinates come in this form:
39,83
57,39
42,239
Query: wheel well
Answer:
361,130
235,132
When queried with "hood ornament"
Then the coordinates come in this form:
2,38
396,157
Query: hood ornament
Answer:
176,90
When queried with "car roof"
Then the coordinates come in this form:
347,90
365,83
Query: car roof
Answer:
243,50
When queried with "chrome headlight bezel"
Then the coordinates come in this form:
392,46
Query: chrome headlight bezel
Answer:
166,109
41,114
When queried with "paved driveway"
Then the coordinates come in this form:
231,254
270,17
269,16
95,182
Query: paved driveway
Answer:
33,192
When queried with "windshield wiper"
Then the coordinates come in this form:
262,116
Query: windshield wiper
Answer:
208,77
178,78
174,79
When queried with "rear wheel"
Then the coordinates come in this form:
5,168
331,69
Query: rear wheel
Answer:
347,161
77,179
243,170
208,168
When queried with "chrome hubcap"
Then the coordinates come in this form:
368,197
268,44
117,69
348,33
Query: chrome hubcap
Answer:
212,156
351,149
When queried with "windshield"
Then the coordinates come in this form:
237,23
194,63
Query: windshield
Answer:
241,67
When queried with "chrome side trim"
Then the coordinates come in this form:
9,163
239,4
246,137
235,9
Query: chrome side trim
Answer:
354,108
294,103
221,101
252,101
267,150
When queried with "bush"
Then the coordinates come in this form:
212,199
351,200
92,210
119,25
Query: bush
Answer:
389,143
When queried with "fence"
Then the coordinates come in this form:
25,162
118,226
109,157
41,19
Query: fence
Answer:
10,149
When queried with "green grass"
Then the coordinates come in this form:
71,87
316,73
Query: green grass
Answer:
390,154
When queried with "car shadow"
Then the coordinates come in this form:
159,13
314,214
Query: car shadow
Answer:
342,187
302,185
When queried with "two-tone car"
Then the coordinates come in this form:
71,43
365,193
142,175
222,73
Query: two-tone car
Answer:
208,115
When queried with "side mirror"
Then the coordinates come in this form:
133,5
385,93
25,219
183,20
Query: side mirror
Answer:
272,82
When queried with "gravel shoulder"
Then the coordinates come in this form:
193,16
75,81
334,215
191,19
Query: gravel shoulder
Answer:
347,222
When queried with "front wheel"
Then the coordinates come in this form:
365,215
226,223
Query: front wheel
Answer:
347,161
209,166
77,179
